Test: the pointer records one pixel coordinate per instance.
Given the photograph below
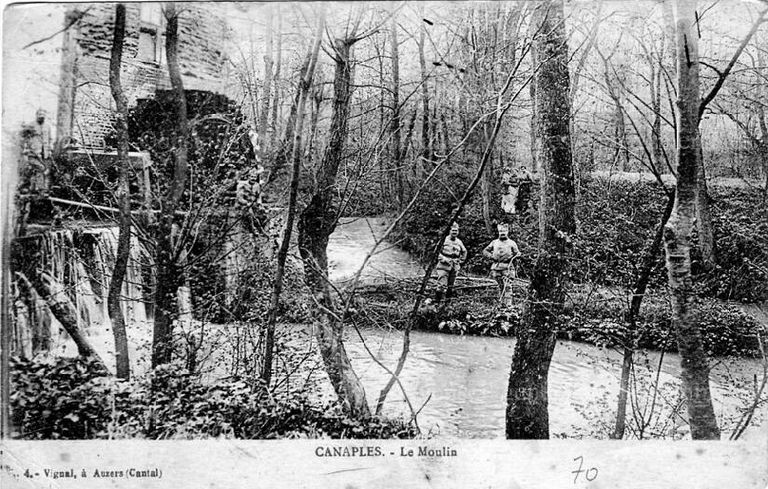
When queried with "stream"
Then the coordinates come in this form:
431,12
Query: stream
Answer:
458,383
461,381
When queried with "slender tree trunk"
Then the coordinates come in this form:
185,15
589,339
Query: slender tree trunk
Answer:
306,75
527,402
276,79
407,141
395,122
677,233
426,149
381,157
656,143
317,101
122,361
268,341
704,214
486,189
535,164
168,271
648,263
316,224
621,136
267,90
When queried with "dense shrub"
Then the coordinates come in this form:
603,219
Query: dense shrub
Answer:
726,329
70,398
56,398
740,219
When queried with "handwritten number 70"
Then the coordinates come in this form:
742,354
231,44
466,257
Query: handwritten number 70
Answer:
590,474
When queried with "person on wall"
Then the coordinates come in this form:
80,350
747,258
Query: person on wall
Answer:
37,150
502,251
449,261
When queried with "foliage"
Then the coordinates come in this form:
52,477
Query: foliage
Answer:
56,398
740,221
69,398
616,221
726,329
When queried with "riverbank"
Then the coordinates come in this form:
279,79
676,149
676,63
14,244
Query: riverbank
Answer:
591,317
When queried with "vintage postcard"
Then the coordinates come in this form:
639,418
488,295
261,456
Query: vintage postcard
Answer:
385,244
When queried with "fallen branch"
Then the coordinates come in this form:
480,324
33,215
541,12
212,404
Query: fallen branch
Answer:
63,310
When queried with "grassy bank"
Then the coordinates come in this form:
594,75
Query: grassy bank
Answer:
591,318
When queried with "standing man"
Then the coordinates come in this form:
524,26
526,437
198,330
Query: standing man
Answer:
525,183
503,251
37,149
449,263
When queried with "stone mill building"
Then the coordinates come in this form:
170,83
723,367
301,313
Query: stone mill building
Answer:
59,113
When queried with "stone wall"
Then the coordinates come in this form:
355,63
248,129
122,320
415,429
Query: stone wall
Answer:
202,57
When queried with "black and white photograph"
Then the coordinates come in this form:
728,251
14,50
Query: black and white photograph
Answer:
425,224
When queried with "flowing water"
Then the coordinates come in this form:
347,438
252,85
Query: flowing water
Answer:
351,242
463,379
458,382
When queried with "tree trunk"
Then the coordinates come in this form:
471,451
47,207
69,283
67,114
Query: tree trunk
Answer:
532,91
446,137
486,192
650,257
426,149
621,136
381,157
268,340
527,401
123,365
656,142
276,78
62,309
316,224
677,233
704,214
168,272
317,101
306,75
267,90
395,147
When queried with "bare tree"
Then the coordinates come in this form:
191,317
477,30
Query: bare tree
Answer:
677,233
276,78
395,135
703,201
123,365
527,402
168,271
267,90
426,147
316,223
282,253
